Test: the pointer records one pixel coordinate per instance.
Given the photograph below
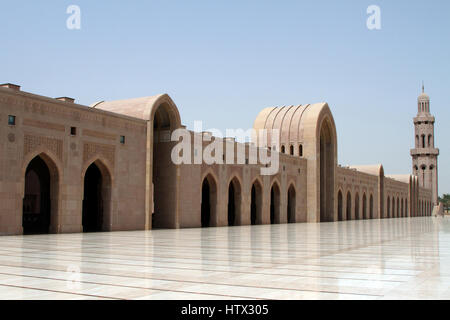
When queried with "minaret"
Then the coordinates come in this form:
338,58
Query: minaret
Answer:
424,155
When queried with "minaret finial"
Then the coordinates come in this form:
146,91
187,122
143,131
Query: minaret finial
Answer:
423,87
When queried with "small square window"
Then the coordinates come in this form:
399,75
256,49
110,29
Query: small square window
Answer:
122,139
73,131
12,120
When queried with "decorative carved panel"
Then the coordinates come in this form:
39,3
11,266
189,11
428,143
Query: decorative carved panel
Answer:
90,150
31,143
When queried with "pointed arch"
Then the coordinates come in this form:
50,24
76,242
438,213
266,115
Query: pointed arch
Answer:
364,213
372,213
291,204
164,118
388,207
97,184
357,216
349,206
327,165
275,203
403,207
340,201
393,207
41,174
234,201
208,216
256,202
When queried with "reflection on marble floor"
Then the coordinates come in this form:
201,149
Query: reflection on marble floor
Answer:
405,258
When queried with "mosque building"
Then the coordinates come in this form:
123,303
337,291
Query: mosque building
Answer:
66,167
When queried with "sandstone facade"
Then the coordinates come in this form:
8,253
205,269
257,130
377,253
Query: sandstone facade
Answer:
66,167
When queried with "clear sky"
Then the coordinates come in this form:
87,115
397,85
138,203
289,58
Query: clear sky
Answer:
223,61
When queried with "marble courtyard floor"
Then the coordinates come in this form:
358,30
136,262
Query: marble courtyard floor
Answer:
407,258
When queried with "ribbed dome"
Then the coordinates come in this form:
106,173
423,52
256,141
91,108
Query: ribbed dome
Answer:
297,125
285,119
423,97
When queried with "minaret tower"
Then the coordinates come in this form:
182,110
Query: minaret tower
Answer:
424,155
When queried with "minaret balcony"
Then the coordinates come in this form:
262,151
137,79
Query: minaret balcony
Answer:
424,151
424,118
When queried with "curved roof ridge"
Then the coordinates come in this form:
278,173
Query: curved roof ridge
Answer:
142,107
373,169
290,122
283,117
400,177
269,134
300,119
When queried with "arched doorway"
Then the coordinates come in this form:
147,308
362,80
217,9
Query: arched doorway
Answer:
234,202
209,201
256,204
40,202
275,204
372,215
164,174
291,205
96,198
402,213
393,207
398,209
389,207
365,206
357,217
327,165
340,217
349,206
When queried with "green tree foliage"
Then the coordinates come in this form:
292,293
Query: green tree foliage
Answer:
446,201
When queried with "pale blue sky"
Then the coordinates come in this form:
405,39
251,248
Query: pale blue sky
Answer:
223,61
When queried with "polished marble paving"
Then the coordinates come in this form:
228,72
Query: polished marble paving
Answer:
406,258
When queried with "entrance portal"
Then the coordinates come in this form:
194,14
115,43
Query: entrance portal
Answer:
291,205
256,203
36,202
92,200
275,204
208,205
327,164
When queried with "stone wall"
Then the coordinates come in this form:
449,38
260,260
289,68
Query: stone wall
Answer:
43,128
